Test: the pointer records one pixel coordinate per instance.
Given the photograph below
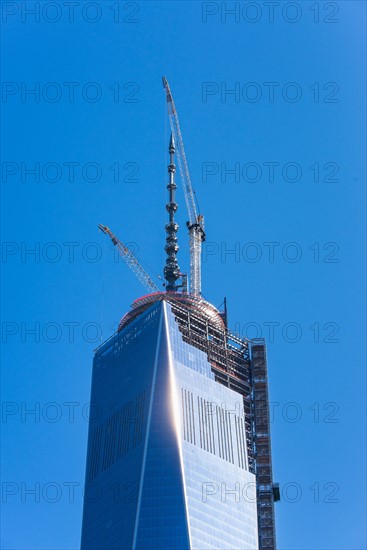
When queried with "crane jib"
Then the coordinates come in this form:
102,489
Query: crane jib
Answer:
195,220
130,260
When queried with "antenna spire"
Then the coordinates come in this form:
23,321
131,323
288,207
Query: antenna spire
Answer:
172,269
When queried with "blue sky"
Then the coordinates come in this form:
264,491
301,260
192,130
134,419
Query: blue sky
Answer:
96,133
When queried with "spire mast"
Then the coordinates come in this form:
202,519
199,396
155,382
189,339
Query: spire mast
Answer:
172,269
196,220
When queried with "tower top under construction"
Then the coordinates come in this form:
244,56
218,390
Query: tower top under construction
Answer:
207,362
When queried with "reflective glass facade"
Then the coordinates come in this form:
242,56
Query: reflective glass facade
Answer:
167,464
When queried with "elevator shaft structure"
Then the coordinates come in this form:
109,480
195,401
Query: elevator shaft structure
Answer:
196,220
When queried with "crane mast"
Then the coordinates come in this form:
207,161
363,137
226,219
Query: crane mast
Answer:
130,260
196,221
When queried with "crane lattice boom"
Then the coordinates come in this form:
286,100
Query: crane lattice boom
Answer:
130,260
196,222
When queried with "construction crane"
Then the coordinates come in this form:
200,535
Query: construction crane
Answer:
130,260
196,221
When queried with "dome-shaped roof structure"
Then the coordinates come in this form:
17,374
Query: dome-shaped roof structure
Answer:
195,304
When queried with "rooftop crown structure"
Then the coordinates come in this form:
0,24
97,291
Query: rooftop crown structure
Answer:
179,455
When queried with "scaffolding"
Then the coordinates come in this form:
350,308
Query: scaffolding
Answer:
267,492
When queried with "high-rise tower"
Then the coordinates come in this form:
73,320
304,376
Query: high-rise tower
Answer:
179,453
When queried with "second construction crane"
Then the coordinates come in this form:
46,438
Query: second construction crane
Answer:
196,220
130,260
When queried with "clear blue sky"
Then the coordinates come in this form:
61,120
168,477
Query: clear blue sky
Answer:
317,123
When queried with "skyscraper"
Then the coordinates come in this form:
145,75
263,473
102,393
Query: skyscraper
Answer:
179,454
